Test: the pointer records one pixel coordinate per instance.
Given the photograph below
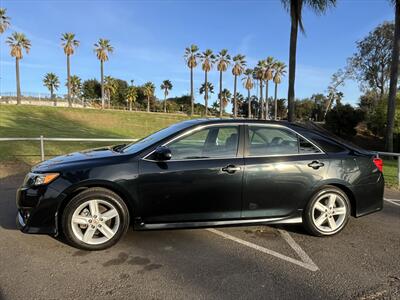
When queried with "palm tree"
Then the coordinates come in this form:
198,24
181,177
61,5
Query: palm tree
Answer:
76,86
248,85
206,88
148,91
223,61
224,98
394,71
52,82
269,62
110,88
279,72
191,56
166,86
102,48
69,44
18,42
4,20
295,8
238,98
259,74
131,96
207,61
239,63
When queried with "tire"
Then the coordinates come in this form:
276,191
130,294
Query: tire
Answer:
95,219
331,217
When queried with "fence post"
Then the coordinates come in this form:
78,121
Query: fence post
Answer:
398,170
42,147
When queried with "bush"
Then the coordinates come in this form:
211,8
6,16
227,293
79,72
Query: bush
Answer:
342,120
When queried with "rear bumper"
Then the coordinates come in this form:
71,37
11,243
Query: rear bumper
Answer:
369,197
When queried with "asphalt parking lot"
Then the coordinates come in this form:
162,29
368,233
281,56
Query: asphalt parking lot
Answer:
230,262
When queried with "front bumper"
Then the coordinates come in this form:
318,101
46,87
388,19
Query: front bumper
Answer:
37,209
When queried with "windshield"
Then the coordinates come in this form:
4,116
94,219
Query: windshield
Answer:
155,137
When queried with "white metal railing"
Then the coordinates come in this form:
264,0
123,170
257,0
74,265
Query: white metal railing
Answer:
42,139
392,154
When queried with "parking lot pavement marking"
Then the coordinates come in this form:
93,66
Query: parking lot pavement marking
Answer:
393,201
305,261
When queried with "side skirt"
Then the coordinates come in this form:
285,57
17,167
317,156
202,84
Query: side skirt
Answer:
152,226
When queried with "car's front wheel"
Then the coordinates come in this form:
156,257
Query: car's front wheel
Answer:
95,219
328,212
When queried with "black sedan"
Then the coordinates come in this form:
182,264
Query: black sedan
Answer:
202,173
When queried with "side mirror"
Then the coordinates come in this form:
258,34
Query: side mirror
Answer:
162,153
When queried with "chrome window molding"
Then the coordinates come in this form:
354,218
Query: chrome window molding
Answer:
236,157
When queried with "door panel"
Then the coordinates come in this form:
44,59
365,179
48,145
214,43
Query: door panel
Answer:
202,181
278,177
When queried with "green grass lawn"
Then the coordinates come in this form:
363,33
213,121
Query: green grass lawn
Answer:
33,121
390,173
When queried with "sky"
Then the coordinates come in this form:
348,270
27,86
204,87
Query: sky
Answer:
149,38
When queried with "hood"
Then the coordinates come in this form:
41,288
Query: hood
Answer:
76,157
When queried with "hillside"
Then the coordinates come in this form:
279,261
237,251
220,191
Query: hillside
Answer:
33,121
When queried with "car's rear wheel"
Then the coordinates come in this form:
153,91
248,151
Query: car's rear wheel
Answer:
95,219
328,212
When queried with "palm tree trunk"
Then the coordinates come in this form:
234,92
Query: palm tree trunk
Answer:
261,100
17,79
292,57
234,98
266,100
276,102
102,84
249,104
52,96
148,104
221,106
165,102
69,81
205,93
130,105
191,92
394,71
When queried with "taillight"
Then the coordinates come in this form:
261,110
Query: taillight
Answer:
378,163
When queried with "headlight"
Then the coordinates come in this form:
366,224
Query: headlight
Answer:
35,179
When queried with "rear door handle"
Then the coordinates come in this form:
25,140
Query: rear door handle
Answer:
316,165
230,169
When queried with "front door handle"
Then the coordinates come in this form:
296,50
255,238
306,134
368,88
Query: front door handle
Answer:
230,169
315,165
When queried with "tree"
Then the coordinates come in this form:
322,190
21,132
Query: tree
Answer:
337,80
394,73
91,89
295,7
4,20
239,63
191,56
248,85
223,61
279,71
207,61
102,49
69,44
370,65
206,88
75,85
131,96
342,120
259,74
52,82
239,100
110,88
148,90
18,42
224,98
166,86
269,68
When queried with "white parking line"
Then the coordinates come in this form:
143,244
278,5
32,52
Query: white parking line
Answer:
305,261
393,201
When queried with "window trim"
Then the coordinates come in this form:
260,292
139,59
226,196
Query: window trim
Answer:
247,143
198,128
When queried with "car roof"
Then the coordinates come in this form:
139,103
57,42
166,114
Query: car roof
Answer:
227,120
